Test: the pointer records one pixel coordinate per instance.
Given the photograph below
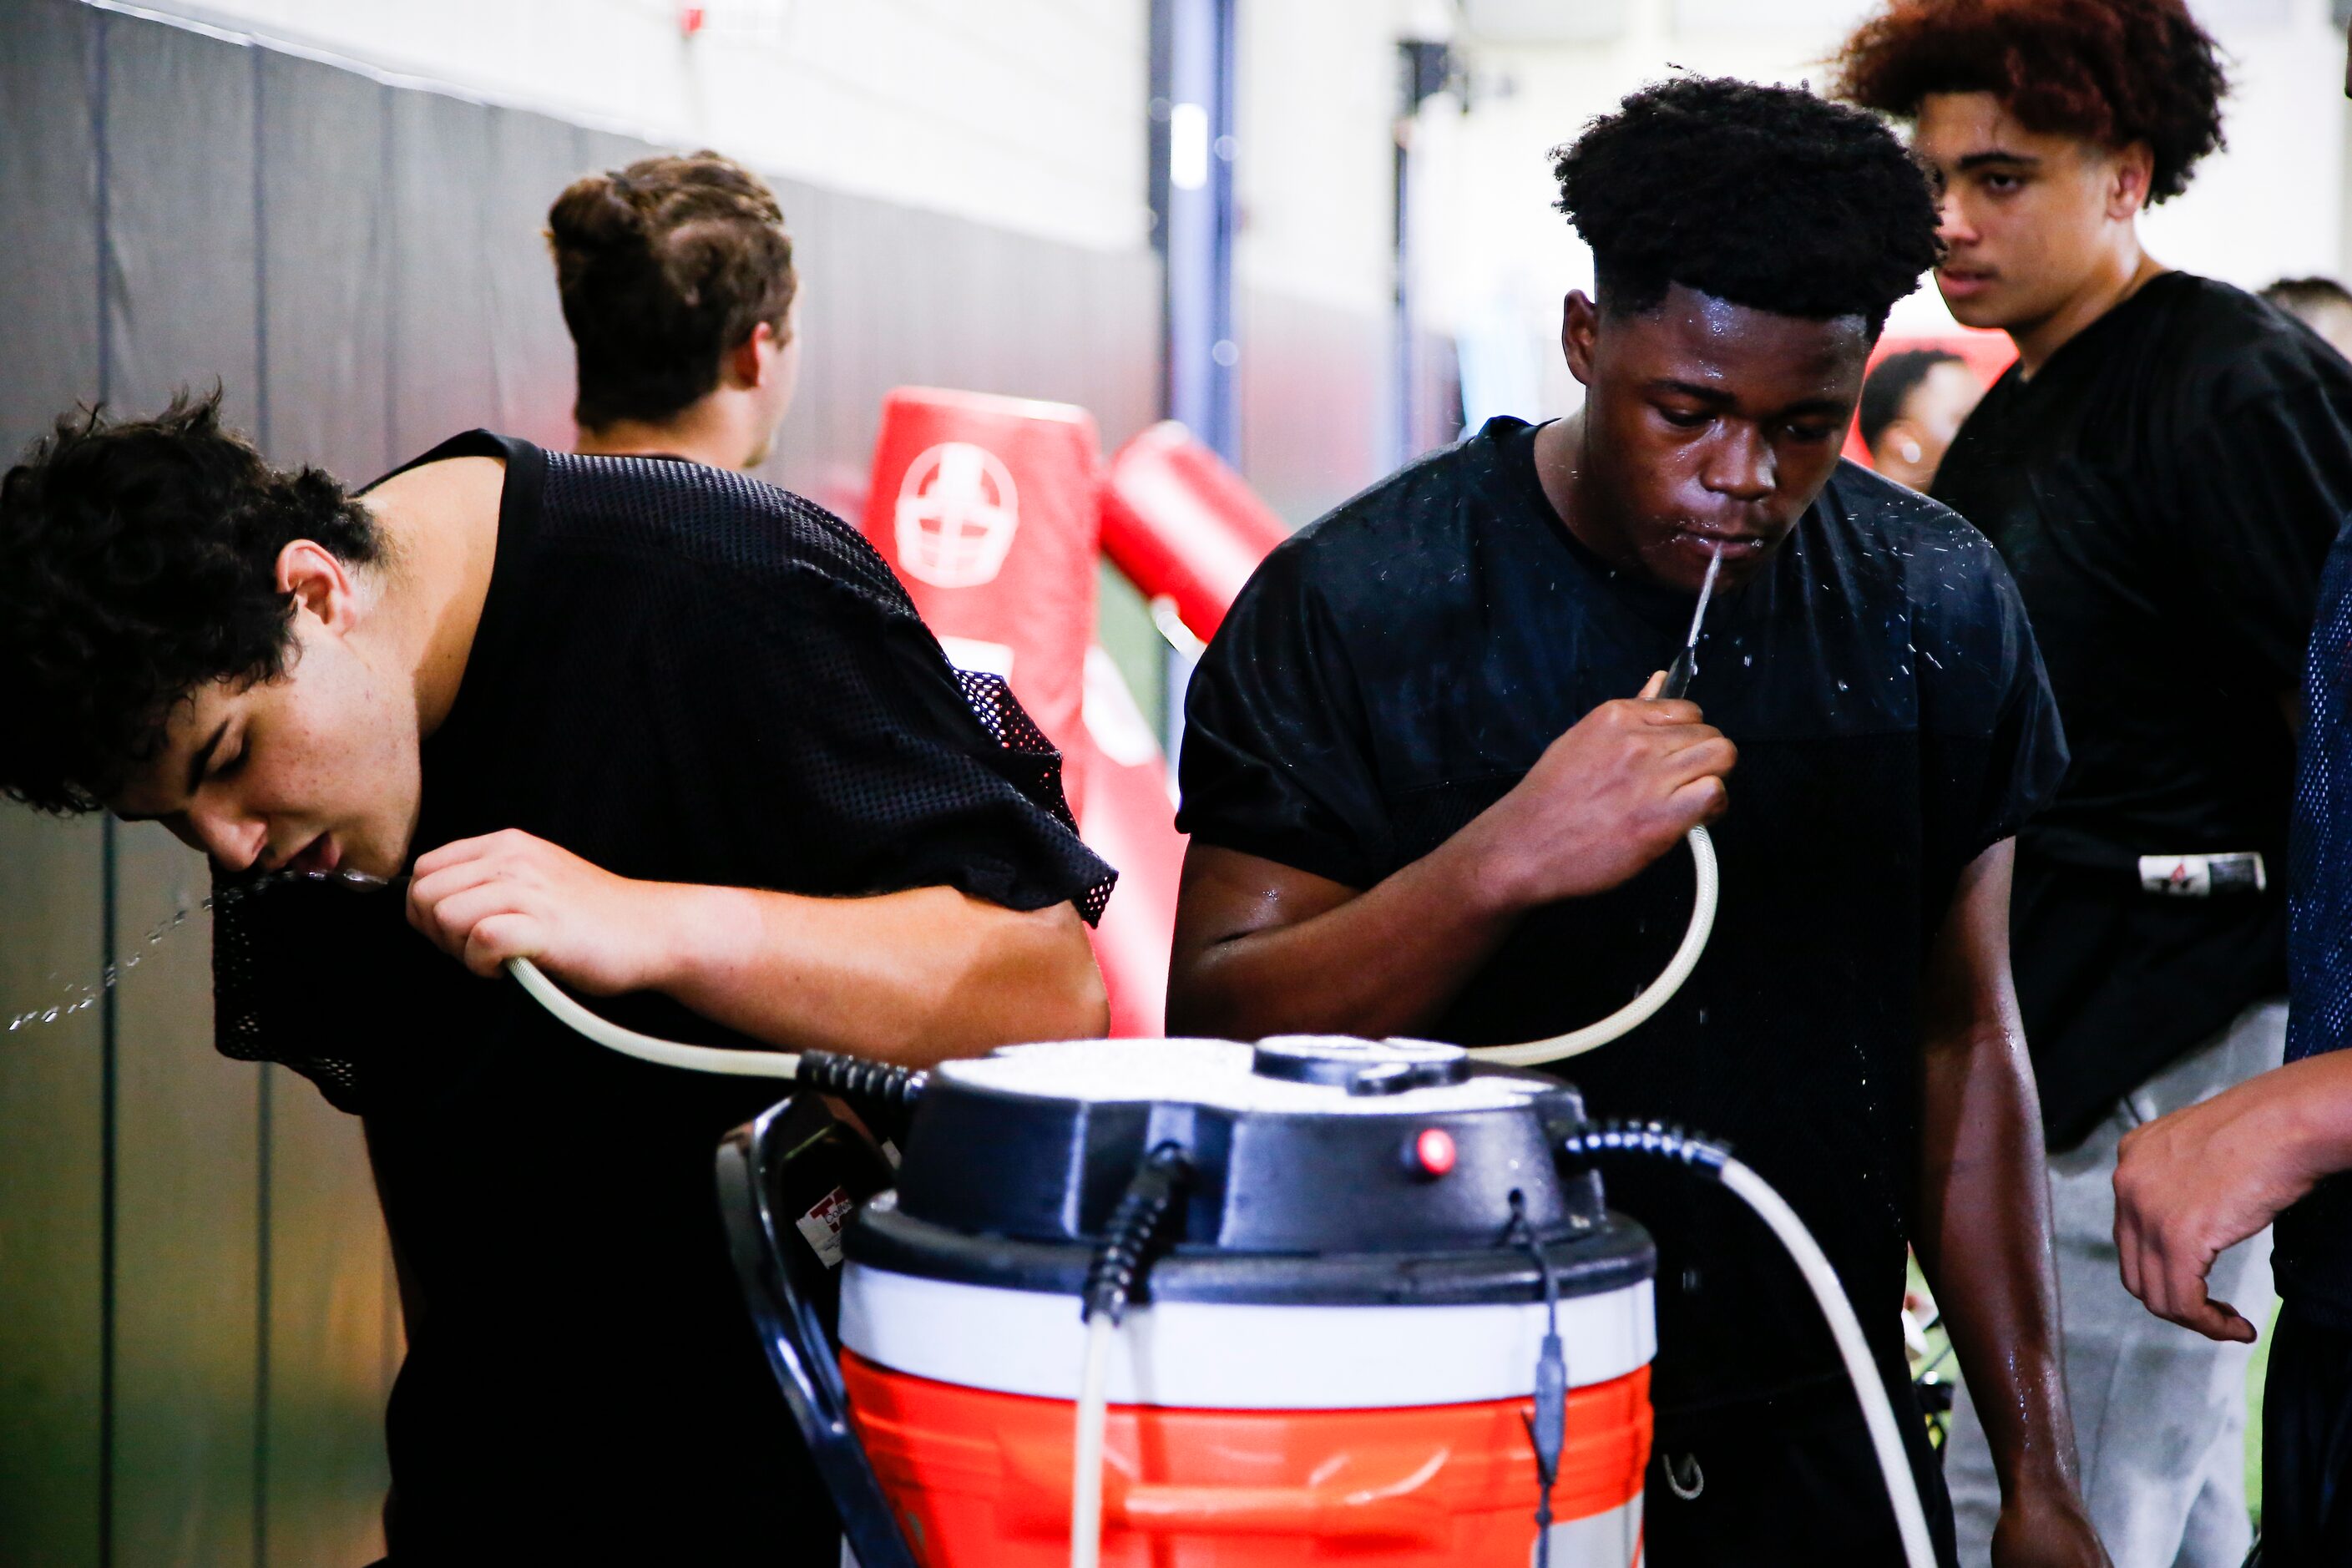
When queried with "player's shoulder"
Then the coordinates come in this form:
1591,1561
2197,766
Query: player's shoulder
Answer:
1913,542
667,515
2232,348
1913,564
1416,525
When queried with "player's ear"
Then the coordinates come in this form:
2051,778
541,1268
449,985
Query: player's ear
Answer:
2133,173
320,582
750,362
1579,330
1901,438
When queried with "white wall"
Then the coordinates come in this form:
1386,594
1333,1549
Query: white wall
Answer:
1028,114
1314,111
1500,259
2270,204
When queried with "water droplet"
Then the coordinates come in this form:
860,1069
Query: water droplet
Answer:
50,1016
1840,686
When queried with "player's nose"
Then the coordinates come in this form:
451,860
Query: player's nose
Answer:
235,841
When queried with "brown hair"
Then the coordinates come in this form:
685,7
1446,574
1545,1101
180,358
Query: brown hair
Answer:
2111,71
663,267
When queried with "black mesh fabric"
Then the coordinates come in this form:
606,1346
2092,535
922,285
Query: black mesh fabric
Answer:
2313,1256
683,676
1395,669
243,947
1032,763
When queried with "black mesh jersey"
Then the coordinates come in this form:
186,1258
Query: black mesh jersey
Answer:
2313,1258
1396,668
2165,490
682,675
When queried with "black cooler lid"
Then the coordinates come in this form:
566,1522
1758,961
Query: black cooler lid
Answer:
1323,1168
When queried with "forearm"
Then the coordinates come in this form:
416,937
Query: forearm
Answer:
1388,961
2301,1114
2278,1133
1984,1244
912,977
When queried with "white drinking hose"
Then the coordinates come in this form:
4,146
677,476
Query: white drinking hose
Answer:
1652,997
1877,1411
1094,1415
644,1047
1708,1159
1535,1053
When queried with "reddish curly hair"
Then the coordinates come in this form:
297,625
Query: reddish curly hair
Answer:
2111,71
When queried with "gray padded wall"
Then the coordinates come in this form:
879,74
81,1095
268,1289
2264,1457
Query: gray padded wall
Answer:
198,1321
54,1077
182,306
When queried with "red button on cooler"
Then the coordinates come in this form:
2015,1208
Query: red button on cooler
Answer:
1432,1151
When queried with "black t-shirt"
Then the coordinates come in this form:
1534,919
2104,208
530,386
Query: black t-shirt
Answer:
2165,488
680,675
1398,667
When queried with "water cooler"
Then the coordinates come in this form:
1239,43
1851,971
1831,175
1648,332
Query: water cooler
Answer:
1365,1313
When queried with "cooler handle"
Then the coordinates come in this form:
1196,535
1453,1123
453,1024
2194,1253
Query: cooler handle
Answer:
1308,1512
799,1352
1350,1509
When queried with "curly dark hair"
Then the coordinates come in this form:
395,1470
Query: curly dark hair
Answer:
1766,196
663,267
2111,71
137,563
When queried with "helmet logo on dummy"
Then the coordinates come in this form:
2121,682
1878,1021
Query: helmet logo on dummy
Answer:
956,516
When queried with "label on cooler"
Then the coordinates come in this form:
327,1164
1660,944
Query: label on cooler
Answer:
821,1227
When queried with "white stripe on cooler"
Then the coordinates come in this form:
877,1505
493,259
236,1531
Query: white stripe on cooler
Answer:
1204,1356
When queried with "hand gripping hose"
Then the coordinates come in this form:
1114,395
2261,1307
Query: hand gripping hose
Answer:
1652,1139
872,1084
1635,1014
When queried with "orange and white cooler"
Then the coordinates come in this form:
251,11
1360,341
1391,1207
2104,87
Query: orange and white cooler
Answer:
1331,1357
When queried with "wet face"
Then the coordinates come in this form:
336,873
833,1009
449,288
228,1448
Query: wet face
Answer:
1707,424
314,770
2026,216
